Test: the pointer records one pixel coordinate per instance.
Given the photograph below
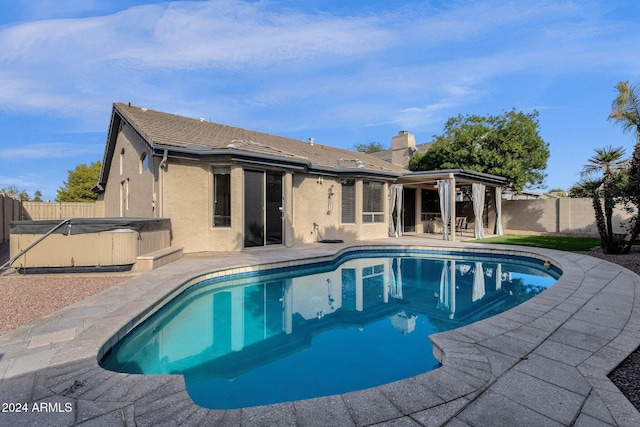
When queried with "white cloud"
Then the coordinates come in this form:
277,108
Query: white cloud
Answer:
19,182
223,34
224,55
213,34
75,66
50,150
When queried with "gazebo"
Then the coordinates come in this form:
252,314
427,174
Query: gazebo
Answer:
449,183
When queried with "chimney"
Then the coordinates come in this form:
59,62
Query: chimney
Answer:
310,141
403,146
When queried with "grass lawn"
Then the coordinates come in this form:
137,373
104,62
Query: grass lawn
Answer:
564,243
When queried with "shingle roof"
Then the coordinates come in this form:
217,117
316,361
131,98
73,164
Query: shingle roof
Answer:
163,129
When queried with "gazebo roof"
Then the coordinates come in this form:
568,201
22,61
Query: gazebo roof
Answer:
461,176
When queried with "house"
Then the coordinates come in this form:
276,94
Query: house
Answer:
226,188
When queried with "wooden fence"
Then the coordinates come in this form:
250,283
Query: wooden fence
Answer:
10,210
15,210
43,210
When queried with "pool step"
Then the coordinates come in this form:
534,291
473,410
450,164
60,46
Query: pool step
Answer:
156,259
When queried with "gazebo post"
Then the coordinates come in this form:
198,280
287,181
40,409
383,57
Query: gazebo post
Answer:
452,220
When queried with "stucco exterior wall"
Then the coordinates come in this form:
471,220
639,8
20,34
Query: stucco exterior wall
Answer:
564,215
140,183
187,198
183,191
311,205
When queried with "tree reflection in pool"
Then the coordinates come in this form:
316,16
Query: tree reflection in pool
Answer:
329,328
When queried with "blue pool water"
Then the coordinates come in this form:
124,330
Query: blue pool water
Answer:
333,327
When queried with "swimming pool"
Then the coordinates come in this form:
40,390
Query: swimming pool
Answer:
326,328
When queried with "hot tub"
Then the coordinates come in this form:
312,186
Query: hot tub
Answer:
86,244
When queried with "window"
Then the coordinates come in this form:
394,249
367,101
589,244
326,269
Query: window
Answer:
430,208
372,206
144,162
349,293
222,196
373,286
124,197
121,161
348,201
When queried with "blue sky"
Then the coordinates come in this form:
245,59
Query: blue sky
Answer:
344,73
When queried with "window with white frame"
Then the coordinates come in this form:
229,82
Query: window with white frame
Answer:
372,202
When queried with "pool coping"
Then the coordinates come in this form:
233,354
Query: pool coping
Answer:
545,361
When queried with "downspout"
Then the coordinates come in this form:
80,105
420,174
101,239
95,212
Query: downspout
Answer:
163,163
161,167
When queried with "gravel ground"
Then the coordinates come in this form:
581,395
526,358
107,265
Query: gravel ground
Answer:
29,297
26,298
627,375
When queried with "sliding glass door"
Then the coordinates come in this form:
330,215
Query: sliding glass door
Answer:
262,208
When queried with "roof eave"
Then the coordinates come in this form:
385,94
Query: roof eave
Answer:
231,154
461,175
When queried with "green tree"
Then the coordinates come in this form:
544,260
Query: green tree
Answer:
79,184
37,196
625,110
590,188
372,147
13,191
557,192
605,170
507,145
631,198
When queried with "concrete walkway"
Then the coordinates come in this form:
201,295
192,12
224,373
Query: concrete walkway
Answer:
544,362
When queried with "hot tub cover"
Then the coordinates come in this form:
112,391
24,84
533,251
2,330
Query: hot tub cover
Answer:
89,225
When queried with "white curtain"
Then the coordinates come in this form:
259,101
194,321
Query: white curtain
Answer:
478,208
444,191
392,207
395,278
444,298
399,210
498,229
395,205
447,296
452,292
478,283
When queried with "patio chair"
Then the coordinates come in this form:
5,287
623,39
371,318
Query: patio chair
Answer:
461,224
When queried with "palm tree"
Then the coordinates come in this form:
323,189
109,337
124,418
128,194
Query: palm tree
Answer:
606,161
625,108
606,164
